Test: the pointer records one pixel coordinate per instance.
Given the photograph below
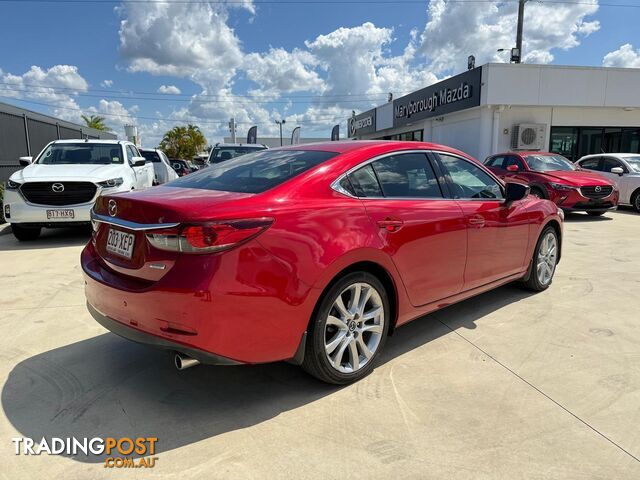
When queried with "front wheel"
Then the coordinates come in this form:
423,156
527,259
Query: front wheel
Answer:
543,263
635,202
348,330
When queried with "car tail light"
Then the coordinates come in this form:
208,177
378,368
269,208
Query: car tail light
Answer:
208,237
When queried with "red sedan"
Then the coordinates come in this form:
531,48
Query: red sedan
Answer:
554,177
312,254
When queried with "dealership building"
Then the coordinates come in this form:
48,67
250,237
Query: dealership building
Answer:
498,107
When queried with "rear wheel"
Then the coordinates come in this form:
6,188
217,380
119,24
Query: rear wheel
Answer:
543,263
595,214
635,201
25,234
348,330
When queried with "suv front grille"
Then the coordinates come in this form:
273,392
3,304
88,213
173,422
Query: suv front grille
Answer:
596,192
72,193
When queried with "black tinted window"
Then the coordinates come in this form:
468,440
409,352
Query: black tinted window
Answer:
254,172
469,180
365,183
407,175
151,156
609,163
591,164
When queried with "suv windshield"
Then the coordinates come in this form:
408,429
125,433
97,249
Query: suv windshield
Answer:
81,153
220,154
547,163
255,172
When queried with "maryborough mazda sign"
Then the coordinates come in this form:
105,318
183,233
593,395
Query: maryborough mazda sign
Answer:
455,93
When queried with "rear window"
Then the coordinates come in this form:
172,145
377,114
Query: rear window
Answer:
151,156
254,172
222,154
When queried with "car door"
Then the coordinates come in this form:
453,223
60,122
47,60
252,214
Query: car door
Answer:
144,174
422,230
497,233
621,181
170,174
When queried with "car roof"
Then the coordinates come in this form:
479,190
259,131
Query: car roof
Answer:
523,153
363,145
621,155
91,140
249,145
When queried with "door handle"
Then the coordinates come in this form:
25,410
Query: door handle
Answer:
390,225
476,221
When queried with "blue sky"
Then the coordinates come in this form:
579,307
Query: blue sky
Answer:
261,62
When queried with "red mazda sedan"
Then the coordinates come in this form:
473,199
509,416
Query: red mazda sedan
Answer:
554,177
312,254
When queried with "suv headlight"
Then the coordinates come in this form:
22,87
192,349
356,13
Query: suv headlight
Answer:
560,186
11,185
111,183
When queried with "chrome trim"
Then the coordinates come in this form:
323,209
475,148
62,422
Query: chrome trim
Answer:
138,227
579,189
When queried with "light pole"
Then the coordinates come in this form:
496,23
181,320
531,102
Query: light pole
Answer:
280,123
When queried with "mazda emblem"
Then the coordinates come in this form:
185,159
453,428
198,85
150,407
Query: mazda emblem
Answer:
598,189
113,208
57,187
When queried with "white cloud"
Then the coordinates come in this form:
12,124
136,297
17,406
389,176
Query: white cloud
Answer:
625,57
106,83
456,30
280,71
169,89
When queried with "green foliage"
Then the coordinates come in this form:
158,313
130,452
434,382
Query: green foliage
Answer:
183,142
95,121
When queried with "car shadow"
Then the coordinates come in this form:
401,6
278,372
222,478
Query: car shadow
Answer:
49,238
107,386
575,217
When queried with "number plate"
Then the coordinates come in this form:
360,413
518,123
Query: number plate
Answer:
120,243
55,214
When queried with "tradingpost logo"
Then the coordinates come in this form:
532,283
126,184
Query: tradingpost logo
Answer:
117,450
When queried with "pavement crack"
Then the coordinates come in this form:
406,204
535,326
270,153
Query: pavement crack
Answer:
524,380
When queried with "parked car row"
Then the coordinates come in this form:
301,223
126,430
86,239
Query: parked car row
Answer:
594,184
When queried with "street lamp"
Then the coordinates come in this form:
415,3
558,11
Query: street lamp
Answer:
280,123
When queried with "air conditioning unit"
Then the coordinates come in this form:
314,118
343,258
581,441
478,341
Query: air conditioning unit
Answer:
528,136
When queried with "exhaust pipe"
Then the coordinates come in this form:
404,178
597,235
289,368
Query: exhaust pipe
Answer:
183,362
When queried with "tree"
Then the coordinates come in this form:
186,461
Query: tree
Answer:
95,121
183,142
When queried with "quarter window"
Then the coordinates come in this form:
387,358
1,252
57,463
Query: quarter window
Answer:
407,175
470,181
365,183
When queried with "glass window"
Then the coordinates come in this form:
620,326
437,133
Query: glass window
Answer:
548,163
564,140
221,154
80,153
591,164
346,185
608,163
365,183
634,162
151,156
495,162
513,160
407,175
470,181
254,172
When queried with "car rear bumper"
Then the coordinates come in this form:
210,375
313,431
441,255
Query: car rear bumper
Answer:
139,336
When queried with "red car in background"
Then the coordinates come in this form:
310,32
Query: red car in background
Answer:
312,253
554,177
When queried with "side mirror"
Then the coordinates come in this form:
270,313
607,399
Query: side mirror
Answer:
515,191
24,161
617,171
138,161
512,168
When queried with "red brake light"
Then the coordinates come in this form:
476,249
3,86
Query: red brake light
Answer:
208,237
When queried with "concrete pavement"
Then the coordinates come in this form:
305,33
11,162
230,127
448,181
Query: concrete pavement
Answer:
506,385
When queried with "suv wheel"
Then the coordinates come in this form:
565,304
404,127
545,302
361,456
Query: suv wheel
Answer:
348,329
543,263
25,234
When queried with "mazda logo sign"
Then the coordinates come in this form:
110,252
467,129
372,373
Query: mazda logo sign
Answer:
57,187
113,208
598,189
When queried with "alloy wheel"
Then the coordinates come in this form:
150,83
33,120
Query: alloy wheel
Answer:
547,257
354,327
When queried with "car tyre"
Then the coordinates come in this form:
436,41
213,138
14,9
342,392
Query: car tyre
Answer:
544,261
635,201
348,329
595,214
25,234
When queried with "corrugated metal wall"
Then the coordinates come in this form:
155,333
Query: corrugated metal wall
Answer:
24,133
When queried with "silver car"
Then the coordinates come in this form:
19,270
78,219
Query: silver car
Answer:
621,168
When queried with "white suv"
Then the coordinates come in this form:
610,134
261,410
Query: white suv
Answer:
60,187
623,169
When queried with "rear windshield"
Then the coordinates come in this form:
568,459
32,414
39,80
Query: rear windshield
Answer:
151,156
255,172
221,154
80,154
